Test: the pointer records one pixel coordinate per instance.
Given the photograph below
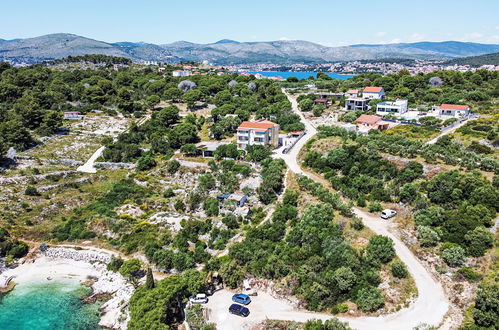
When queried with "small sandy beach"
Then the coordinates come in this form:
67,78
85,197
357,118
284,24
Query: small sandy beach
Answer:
59,264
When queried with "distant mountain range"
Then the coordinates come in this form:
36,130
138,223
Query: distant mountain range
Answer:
226,52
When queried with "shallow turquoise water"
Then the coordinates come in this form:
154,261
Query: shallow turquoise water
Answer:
48,305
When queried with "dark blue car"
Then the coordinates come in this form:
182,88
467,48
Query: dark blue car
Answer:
241,298
238,310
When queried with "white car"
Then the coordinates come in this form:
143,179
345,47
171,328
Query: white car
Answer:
387,214
200,298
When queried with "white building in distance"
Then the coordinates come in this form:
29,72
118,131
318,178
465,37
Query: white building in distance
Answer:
181,73
391,107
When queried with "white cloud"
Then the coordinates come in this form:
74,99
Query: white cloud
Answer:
394,41
380,34
416,37
284,38
473,36
497,27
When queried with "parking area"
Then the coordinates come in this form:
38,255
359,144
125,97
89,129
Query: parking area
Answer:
262,307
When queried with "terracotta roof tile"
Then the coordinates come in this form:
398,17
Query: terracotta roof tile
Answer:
368,119
454,107
373,89
257,125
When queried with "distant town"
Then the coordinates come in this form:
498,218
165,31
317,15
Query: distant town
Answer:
355,67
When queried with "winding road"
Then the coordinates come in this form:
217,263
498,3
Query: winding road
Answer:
430,306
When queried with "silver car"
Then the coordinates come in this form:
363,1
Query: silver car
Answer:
387,214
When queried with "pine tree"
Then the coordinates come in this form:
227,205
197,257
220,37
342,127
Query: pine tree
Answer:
149,279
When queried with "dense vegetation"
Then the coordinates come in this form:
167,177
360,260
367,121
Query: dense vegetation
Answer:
445,149
161,307
91,58
486,59
32,100
451,207
11,248
310,251
478,88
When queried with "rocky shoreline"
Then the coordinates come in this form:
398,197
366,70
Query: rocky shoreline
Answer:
88,265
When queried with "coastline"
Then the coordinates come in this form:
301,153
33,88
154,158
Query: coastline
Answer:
82,265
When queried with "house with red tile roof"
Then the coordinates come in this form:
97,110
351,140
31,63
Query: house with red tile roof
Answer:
322,101
373,93
452,110
260,132
368,122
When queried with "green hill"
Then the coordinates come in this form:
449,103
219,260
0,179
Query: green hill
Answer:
479,60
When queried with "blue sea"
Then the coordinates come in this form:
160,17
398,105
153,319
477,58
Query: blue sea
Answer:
44,306
301,75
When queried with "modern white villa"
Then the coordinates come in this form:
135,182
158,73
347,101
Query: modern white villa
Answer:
262,132
391,107
373,93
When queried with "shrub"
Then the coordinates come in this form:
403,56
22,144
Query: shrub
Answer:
179,206
380,250
454,256
478,241
145,162
399,269
369,299
130,268
469,274
31,191
168,193
115,263
173,166
331,324
211,206
345,278
357,223
485,311
427,236
374,207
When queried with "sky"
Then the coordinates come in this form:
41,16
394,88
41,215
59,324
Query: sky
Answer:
328,22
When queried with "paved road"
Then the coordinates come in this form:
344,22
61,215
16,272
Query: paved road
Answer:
431,304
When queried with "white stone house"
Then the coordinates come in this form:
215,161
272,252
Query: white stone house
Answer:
373,93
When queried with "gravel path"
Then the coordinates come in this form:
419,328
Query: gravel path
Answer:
89,167
450,130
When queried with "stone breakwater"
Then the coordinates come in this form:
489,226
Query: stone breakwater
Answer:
77,255
115,310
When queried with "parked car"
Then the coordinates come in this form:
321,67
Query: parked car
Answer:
241,298
239,310
387,214
199,299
